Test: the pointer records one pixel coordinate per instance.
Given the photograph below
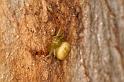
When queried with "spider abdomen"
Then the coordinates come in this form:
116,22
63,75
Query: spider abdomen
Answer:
63,51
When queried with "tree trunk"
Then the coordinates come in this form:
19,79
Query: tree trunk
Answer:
94,28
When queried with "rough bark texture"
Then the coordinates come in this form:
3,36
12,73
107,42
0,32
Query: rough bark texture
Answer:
94,28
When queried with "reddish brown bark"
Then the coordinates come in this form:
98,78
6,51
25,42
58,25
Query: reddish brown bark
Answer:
94,28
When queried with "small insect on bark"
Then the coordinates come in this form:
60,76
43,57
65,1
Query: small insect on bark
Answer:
59,47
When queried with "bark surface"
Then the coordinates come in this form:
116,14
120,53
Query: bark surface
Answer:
94,28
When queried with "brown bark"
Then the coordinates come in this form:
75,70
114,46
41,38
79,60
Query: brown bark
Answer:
94,28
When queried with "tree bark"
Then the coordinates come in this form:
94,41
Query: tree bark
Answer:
94,28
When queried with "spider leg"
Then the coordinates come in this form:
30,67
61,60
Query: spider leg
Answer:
50,54
59,31
54,52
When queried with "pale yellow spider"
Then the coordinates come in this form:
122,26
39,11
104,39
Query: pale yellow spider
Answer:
59,47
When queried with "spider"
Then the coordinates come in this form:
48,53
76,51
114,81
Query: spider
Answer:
59,48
